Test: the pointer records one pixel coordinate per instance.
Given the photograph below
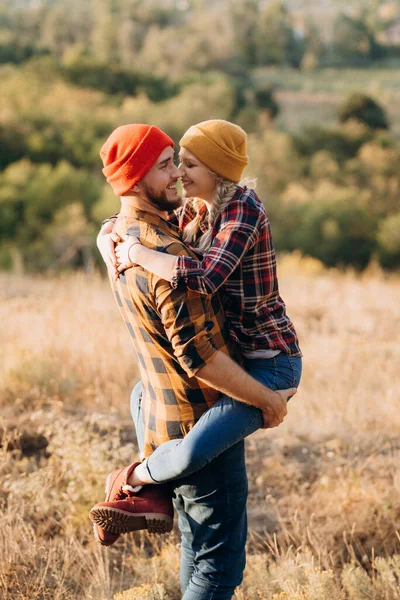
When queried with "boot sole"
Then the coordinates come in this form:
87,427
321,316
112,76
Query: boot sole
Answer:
116,521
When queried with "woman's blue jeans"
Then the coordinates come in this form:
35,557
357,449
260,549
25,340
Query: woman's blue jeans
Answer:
223,425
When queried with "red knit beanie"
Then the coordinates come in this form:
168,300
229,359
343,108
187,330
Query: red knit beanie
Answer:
130,152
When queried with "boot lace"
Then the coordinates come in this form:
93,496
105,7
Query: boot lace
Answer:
125,491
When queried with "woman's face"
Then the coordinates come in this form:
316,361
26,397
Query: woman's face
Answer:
197,181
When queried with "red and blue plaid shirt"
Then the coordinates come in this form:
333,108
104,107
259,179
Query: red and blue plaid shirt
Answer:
241,264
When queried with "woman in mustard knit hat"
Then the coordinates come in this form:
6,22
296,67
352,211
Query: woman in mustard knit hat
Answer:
226,223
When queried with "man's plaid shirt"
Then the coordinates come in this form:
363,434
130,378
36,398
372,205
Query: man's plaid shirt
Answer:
241,263
175,332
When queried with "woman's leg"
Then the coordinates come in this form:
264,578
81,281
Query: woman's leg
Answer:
222,426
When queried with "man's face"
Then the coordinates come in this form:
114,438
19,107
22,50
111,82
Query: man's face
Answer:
158,186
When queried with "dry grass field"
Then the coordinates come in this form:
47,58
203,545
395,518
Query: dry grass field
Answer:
324,505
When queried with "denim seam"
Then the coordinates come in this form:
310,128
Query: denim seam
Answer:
275,375
296,375
293,371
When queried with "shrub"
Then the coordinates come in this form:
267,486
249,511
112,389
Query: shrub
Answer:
365,109
341,142
389,241
264,100
114,79
336,232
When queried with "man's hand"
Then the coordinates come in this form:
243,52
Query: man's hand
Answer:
125,252
276,411
106,244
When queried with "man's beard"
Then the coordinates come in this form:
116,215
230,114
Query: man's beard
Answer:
160,200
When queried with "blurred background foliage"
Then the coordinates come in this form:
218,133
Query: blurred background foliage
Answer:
315,84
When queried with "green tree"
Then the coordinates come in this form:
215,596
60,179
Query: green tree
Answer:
67,241
314,46
389,241
352,42
31,194
12,144
84,70
266,102
245,16
338,141
277,43
14,182
364,109
66,24
337,233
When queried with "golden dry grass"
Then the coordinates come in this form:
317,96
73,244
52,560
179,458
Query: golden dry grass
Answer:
324,505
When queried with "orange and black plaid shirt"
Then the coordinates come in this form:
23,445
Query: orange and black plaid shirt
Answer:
175,332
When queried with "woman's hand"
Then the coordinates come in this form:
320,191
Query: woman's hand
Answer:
106,240
125,252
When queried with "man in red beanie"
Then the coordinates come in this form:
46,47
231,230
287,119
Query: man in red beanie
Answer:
182,348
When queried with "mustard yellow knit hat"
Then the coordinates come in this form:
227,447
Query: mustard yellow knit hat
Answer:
220,145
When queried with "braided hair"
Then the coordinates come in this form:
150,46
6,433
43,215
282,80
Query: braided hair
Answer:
226,189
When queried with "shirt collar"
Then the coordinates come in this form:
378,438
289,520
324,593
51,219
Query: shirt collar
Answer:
150,218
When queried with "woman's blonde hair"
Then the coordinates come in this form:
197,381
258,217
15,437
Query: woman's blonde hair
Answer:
226,189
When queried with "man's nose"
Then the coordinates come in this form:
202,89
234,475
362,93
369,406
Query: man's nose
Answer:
178,171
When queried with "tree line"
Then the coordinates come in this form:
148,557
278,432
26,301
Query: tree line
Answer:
168,38
72,71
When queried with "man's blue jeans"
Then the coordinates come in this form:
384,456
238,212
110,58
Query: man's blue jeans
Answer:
211,507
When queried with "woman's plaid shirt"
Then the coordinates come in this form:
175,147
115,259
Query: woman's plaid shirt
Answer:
241,263
175,332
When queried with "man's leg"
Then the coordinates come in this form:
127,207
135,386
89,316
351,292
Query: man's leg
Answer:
211,506
187,553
